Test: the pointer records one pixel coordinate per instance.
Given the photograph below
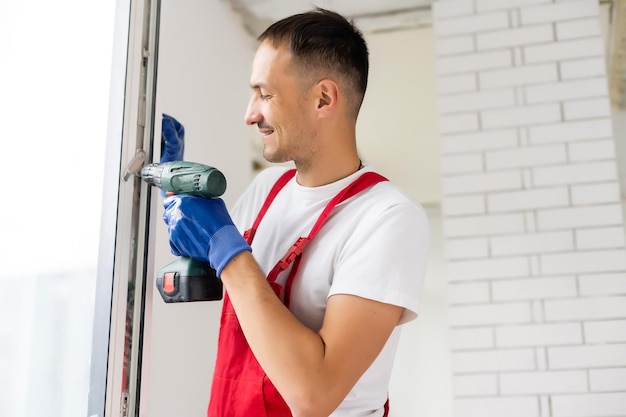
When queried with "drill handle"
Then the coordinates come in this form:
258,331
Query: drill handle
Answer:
187,280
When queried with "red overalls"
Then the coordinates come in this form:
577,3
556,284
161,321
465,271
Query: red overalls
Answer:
240,387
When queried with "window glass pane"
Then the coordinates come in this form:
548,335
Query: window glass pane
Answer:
55,65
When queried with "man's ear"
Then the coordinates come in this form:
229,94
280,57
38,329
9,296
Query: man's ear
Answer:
328,95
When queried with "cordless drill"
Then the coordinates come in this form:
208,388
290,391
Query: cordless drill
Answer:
187,279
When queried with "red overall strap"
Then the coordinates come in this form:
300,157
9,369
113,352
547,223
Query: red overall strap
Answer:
282,181
294,253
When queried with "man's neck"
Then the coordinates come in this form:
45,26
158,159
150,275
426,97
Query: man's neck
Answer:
327,171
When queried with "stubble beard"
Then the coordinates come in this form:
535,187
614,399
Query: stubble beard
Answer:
300,151
275,157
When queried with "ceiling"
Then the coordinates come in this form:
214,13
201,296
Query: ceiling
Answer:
369,15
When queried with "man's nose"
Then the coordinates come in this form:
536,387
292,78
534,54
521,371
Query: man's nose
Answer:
252,116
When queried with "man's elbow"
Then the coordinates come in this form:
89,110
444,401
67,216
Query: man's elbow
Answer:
312,405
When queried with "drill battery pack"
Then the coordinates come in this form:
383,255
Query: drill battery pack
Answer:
186,280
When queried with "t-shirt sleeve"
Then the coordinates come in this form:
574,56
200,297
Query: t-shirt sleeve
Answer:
386,260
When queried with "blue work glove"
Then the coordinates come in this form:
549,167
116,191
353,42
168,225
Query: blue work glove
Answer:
201,228
172,140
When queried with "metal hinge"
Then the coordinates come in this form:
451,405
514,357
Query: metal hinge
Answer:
124,407
135,164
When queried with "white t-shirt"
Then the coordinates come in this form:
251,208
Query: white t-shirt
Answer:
373,245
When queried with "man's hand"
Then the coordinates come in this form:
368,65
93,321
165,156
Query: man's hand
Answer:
202,229
172,139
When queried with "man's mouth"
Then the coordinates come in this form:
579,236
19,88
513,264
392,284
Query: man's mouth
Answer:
265,130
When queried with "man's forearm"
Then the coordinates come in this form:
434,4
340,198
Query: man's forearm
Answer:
290,353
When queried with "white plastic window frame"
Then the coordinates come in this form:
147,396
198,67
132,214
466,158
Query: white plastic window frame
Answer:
124,261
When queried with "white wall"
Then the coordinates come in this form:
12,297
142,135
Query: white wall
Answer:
204,61
397,128
397,132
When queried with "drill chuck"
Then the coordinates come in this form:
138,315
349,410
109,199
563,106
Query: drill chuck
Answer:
182,177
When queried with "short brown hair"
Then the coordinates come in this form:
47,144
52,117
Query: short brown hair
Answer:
323,41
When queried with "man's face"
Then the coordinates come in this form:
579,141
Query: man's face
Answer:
280,107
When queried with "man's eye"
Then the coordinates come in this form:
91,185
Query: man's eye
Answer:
265,96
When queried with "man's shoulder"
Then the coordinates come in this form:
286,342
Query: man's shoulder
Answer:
387,194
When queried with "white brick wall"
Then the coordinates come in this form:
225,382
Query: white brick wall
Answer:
600,238
586,109
467,248
527,75
559,11
579,28
608,379
483,225
582,68
479,141
481,361
527,156
571,131
595,193
474,338
589,356
603,284
575,173
533,222
505,313
532,243
475,385
472,204
497,407
476,101
584,262
514,37
612,404
497,181
534,289
579,48
472,23
488,268
592,308
592,150
566,90
455,64
539,334
557,382
521,116
487,5
605,332
457,83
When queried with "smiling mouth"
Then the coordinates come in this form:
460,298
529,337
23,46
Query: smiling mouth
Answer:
266,131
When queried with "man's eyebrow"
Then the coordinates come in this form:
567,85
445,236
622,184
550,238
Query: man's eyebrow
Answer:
256,86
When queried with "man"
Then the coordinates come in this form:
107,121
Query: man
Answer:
332,262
